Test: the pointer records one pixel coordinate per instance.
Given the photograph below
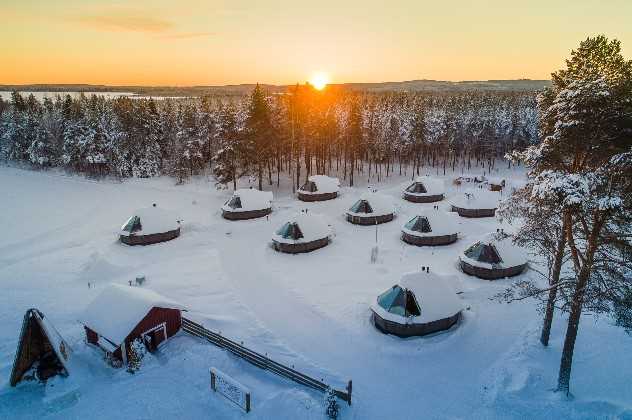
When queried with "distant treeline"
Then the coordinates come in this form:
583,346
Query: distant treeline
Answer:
521,85
267,135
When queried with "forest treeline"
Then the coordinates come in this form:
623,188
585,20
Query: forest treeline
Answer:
267,135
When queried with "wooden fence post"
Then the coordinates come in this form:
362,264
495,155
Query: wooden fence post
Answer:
349,389
213,386
248,402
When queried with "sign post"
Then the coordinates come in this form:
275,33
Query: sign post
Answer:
230,389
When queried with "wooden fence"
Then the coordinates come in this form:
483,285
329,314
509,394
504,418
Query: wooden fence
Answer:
262,361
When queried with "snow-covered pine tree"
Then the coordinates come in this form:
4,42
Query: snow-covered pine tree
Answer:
135,354
258,134
226,158
585,158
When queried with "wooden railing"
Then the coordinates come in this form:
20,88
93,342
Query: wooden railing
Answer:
260,360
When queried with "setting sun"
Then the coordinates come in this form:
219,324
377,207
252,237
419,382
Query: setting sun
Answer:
319,80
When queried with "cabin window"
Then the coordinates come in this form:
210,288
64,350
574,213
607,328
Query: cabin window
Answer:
290,231
419,224
133,225
412,307
484,253
417,188
309,186
234,202
362,206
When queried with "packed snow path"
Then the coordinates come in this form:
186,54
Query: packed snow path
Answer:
311,311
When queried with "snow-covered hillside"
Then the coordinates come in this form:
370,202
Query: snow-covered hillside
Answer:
59,233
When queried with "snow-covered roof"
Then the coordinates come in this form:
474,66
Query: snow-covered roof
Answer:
441,223
381,205
433,186
433,292
115,312
471,177
495,180
153,219
311,225
251,199
511,255
324,184
476,198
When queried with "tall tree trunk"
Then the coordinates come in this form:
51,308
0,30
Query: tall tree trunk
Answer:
564,378
553,281
577,302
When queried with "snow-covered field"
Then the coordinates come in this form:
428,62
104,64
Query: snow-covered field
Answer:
58,233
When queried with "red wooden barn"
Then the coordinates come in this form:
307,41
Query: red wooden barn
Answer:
121,314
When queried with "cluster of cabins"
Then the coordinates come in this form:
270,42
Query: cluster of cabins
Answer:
493,256
420,303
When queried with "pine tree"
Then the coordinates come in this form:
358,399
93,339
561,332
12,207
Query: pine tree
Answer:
258,134
585,161
226,157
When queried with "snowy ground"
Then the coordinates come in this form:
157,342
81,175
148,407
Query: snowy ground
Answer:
310,311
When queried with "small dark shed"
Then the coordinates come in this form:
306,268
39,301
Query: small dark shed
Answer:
122,314
40,348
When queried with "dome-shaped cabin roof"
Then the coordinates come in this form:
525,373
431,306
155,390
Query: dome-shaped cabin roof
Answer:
431,228
372,204
303,227
424,190
494,250
424,302
473,199
320,184
431,223
248,200
493,257
149,221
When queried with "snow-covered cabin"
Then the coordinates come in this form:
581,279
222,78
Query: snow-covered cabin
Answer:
319,188
121,314
495,183
469,179
431,228
150,225
247,204
372,208
476,203
41,349
424,189
303,232
493,257
421,303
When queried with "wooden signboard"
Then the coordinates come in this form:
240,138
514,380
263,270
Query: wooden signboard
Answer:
230,389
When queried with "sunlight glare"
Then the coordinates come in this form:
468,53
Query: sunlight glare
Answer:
319,80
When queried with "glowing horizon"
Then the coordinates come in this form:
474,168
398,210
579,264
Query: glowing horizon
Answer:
226,42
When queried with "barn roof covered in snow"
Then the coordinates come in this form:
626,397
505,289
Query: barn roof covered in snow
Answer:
476,198
324,185
302,227
248,199
434,294
378,204
150,220
115,312
494,250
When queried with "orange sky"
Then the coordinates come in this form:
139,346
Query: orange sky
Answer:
191,42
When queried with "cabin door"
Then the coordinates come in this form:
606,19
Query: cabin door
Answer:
152,338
